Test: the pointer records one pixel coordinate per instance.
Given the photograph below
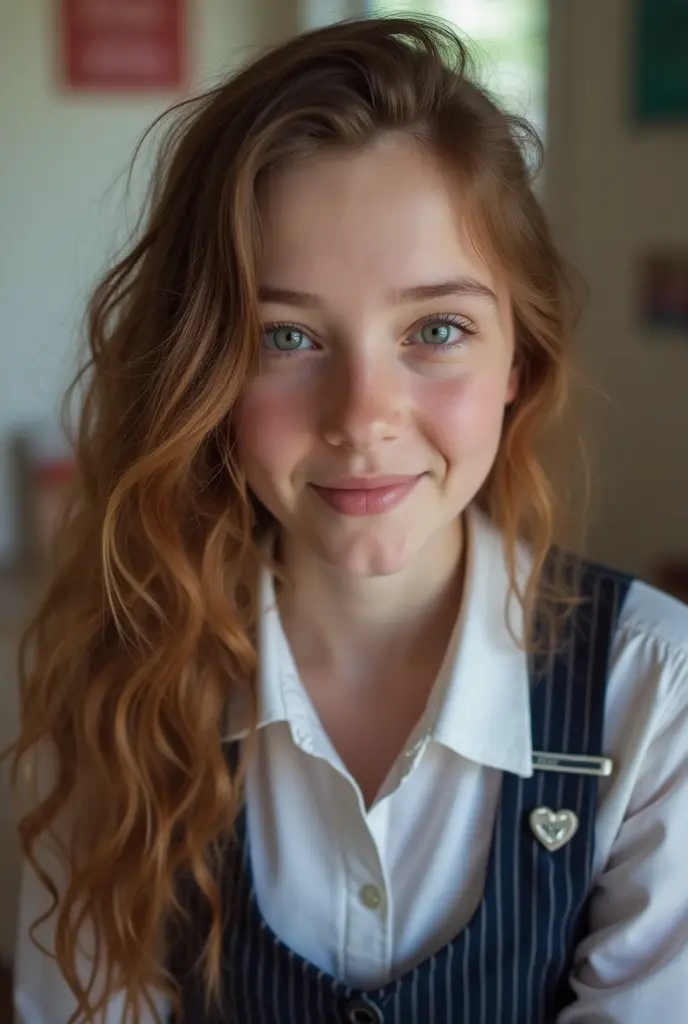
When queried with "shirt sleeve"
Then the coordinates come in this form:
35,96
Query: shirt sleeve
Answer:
632,967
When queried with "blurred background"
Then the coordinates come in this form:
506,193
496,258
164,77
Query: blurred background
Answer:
606,82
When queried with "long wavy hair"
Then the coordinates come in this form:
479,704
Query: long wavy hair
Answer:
146,631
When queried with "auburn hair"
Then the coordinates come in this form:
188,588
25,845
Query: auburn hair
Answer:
147,627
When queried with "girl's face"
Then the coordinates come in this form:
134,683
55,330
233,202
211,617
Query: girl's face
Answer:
387,360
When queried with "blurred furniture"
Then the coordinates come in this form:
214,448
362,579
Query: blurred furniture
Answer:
42,475
17,590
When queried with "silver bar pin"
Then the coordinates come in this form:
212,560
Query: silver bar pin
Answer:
574,764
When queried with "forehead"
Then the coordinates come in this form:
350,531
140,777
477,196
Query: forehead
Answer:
367,222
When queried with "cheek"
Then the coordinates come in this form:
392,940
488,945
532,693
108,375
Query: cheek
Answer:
463,415
270,427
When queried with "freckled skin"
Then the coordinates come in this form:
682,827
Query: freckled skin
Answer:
365,393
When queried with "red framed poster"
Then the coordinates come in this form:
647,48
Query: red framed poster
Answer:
124,45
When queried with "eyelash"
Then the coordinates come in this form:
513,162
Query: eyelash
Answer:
454,320
469,329
283,325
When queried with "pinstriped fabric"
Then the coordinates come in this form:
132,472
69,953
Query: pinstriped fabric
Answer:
558,962
432,982
494,1005
511,963
448,991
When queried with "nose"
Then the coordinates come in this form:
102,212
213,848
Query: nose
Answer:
364,407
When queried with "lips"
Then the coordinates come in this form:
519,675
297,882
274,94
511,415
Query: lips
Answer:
366,496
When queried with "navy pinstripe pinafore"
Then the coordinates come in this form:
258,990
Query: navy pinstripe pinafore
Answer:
510,964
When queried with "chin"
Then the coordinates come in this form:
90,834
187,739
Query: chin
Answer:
368,554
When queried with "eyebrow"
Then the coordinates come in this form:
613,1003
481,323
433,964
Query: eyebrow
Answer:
463,286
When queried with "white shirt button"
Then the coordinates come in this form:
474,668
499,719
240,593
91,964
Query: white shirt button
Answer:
371,897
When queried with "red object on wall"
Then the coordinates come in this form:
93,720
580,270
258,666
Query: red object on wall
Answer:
124,45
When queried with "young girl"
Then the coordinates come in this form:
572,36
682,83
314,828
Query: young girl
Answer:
322,727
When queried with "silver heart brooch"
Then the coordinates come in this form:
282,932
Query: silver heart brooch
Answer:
553,829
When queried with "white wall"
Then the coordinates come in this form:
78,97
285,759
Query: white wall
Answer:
60,158
313,14
616,189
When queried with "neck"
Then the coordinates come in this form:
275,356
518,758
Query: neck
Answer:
355,625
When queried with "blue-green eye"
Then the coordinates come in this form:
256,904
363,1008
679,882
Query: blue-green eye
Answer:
437,333
285,338
442,332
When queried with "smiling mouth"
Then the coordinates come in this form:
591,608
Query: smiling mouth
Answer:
366,496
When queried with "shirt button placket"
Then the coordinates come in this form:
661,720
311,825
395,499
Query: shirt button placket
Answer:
367,933
371,897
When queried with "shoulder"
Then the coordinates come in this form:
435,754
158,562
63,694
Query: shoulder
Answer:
645,731
655,618
648,655
636,947
645,617
652,630
648,667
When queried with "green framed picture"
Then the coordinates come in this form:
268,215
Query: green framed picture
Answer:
661,61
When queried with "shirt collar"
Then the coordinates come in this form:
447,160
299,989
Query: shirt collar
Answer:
481,707
480,704
281,694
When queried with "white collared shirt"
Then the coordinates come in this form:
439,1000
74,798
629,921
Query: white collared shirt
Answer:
378,891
